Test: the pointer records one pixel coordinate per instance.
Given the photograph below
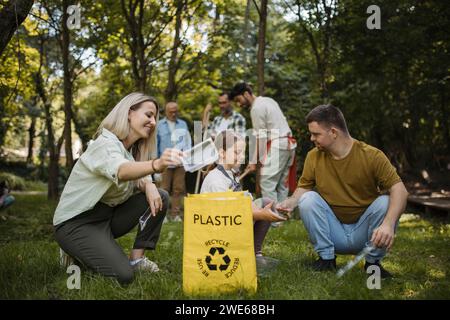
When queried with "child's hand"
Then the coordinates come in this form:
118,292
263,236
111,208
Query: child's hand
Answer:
251,168
267,214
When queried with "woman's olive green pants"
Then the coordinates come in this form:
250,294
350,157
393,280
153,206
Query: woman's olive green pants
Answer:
90,236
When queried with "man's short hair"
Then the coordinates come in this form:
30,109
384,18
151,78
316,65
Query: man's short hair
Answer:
239,89
328,115
224,93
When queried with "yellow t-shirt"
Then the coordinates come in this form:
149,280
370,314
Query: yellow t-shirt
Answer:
351,184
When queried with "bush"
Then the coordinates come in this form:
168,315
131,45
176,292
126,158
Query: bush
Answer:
14,182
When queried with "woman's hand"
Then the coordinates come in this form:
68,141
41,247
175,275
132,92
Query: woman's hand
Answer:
170,157
153,198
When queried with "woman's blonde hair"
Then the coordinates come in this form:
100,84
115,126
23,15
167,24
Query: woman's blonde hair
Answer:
117,122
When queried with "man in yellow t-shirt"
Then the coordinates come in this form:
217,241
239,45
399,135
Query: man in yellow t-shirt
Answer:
347,209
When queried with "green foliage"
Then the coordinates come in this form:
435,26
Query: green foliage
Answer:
13,182
392,84
17,183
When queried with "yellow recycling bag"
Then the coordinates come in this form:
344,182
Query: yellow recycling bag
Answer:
218,249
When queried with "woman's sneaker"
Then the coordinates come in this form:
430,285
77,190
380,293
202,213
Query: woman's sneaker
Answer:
144,264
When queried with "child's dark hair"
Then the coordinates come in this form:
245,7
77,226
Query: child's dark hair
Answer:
224,140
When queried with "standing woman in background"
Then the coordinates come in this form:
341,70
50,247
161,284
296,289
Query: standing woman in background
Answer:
110,190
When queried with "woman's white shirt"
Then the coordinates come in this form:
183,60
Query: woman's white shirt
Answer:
94,178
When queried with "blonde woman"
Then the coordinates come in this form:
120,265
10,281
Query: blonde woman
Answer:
110,191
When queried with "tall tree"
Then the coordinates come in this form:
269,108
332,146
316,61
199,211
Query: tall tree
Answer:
246,32
170,92
315,18
145,24
262,11
53,145
34,114
67,83
184,56
73,61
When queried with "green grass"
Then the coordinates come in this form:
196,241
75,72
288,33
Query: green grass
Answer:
29,266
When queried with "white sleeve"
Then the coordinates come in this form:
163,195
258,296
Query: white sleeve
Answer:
213,183
104,160
258,115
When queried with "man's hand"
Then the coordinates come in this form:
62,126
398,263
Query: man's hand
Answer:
208,107
153,198
206,113
383,236
287,205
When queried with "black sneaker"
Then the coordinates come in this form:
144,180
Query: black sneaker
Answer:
325,265
383,272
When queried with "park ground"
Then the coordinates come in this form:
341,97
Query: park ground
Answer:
29,262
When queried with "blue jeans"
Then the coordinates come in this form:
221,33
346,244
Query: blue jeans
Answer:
330,236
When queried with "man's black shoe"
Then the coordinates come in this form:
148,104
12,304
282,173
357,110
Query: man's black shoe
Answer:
324,265
384,274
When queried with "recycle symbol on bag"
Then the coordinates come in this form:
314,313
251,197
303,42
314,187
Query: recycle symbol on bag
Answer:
217,259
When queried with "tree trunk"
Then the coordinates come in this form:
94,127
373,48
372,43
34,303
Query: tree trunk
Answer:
321,70
11,16
53,149
136,43
445,120
31,135
246,34
80,130
261,46
4,125
171,90
65,42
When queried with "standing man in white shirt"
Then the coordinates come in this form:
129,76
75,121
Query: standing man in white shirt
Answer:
275,144
227,120
173,133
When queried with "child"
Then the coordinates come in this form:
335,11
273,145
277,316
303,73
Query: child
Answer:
231,149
